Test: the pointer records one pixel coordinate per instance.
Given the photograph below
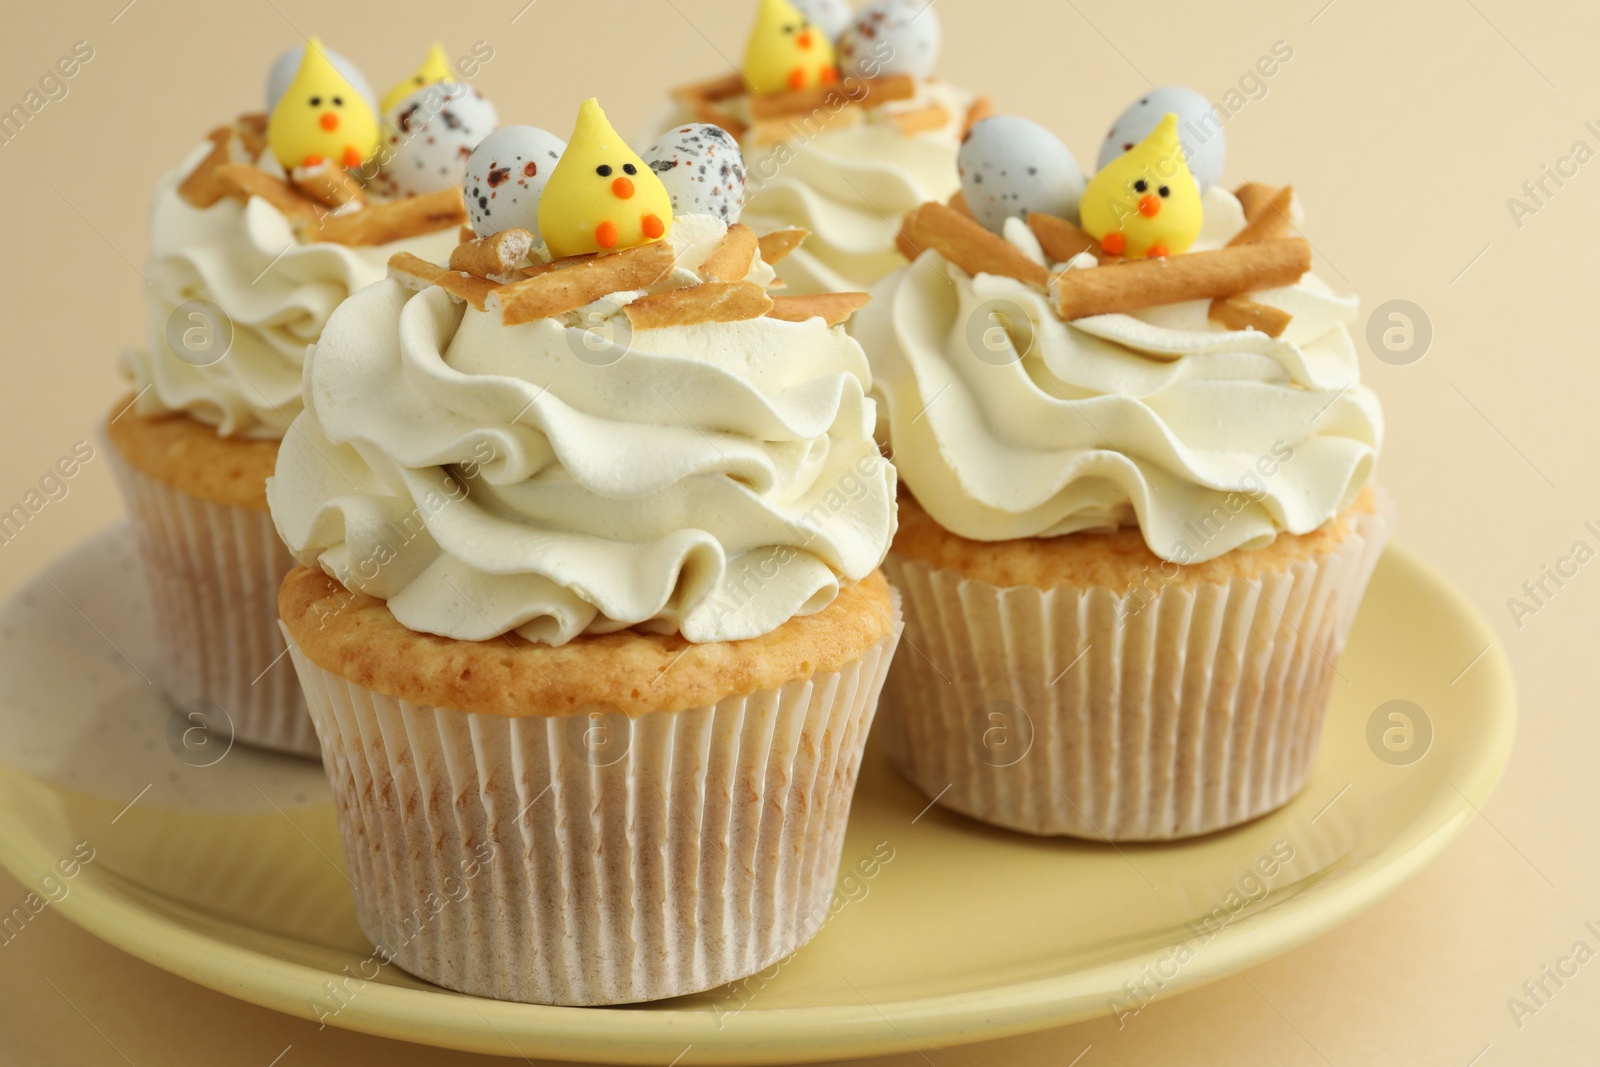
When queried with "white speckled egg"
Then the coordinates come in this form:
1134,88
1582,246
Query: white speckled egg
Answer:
1010,166
284,67
506,175
428,137
702,168
832,17
891,37
1199,130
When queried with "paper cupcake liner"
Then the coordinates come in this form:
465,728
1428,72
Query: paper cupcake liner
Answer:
1076,711
213,572
514,858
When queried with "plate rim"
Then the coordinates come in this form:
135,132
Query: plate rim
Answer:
113,914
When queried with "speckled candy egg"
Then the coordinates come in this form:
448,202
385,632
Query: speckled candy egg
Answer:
891,37
505,178
1199,131
428,137
284,67
1010,166
702,168
832,17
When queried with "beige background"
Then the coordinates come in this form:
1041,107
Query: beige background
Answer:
1405,126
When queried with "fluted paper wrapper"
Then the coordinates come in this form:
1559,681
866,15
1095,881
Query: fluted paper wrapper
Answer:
512,858
213,572
1080,712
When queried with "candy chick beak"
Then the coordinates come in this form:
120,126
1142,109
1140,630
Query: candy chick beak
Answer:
1149,206
804,40
622,188
329,121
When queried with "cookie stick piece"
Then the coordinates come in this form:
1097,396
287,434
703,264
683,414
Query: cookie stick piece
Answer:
779,243
1120,287
731,260
495,256
1061,240
966,244
1242,313
832,308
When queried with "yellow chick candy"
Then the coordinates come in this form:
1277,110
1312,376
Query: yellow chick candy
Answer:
601,197
1145,202
436,68
787,52
321,117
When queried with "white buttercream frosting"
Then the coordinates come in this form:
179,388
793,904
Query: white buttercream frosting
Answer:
850,184
275,290
715,479
1007,422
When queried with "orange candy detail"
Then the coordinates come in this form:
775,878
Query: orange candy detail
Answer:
352,157
1113,244
622,188
652,226
329,121
1157,252
1149,206
797,78
830,76
605,234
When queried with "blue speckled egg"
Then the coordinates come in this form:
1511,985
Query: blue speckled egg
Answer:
1205,147
506,175
284,67
1010,166
429,136
832,17
702,168
891,37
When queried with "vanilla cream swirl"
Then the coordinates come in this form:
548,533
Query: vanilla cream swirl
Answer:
1007,422
275,290
850,184
714,479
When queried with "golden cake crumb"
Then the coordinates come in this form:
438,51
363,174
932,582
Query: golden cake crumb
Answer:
356,637
191,456
1119,561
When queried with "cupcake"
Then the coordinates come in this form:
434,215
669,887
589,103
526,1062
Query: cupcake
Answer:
255,239
590,620
1137,500
844,129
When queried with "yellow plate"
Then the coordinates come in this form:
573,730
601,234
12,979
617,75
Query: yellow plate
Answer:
229,873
